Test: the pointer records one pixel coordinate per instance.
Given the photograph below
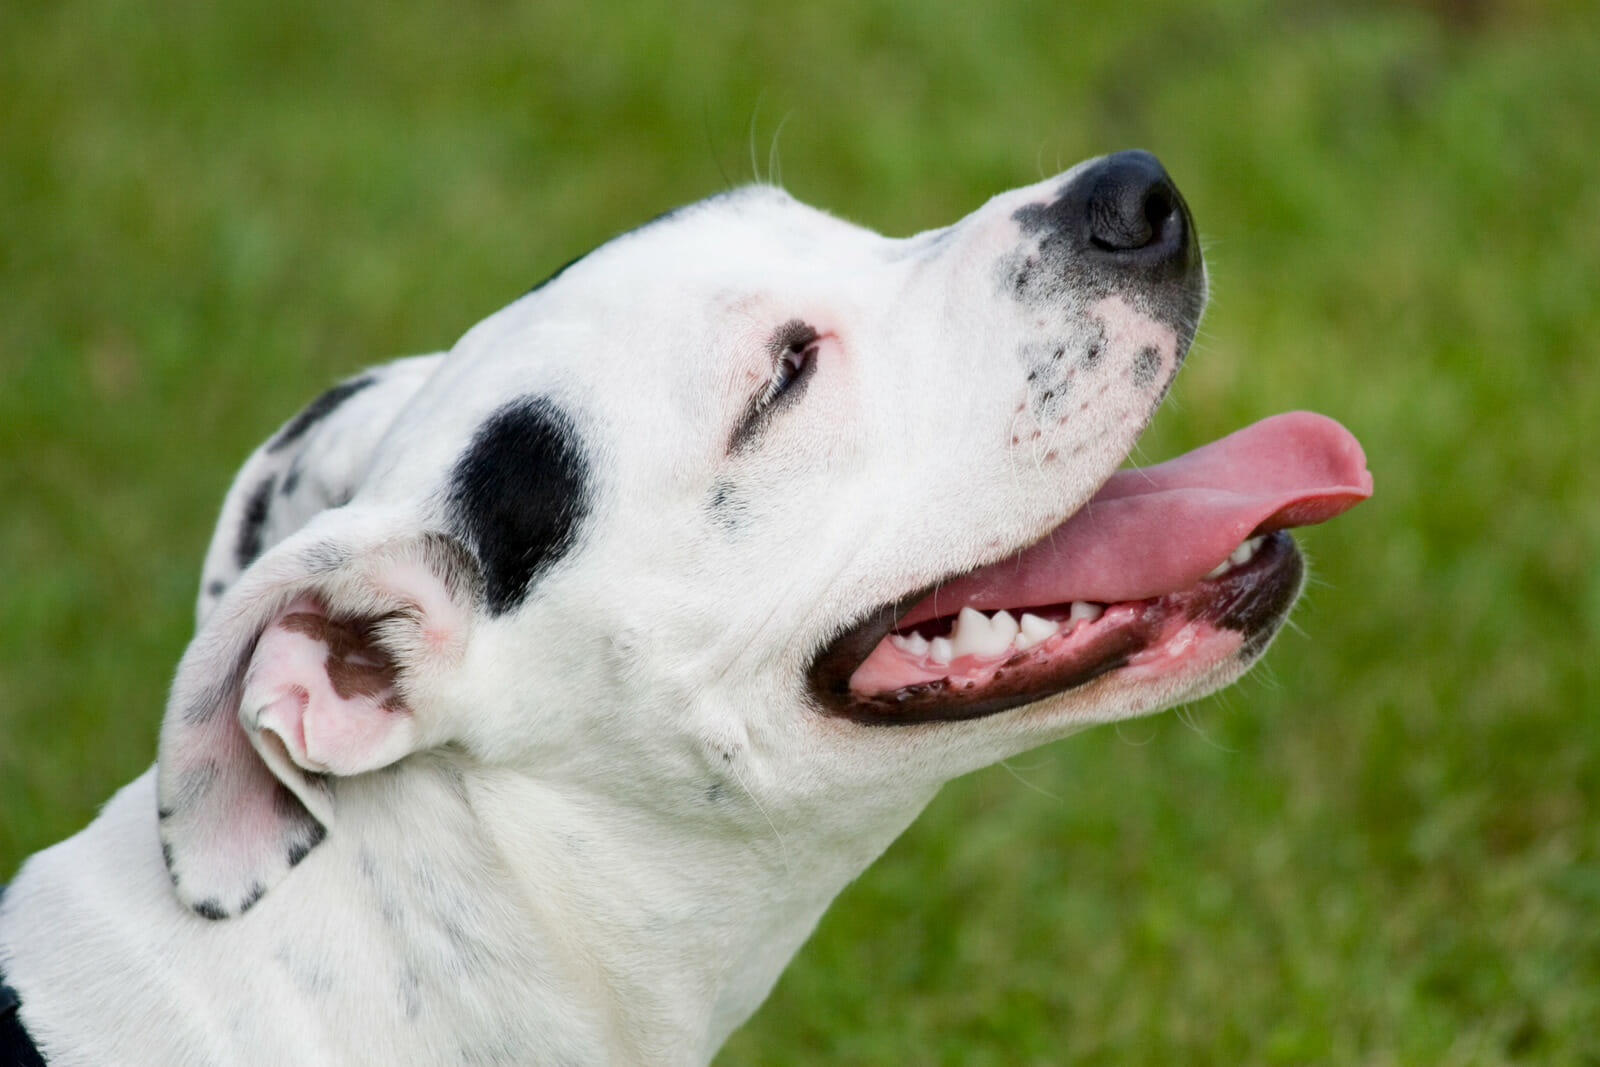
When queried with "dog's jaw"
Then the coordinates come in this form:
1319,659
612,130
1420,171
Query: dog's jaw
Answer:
1149,572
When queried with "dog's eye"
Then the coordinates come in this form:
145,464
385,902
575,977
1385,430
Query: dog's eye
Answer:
793,348
790,366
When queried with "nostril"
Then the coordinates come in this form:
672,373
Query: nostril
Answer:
1126,218
1159,207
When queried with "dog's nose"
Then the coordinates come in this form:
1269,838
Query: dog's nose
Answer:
1123,212
1133,207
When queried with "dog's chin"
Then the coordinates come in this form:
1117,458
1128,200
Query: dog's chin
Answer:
884,672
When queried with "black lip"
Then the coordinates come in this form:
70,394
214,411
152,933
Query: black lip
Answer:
1253,600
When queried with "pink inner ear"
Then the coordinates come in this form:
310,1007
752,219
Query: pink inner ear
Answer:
328,692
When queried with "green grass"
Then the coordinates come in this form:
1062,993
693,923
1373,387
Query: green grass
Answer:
1383,848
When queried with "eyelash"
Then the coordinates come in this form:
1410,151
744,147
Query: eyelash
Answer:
791,365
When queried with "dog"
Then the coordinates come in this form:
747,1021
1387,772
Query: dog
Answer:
545,692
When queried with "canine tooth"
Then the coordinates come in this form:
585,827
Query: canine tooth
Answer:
940,650
1220,569
971,626
1085,611
1033,629
978,635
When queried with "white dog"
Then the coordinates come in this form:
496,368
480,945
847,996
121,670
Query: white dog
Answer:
546,691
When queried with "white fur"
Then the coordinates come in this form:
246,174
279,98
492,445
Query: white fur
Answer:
620,814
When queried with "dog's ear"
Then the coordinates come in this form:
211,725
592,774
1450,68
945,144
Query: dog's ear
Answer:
303,674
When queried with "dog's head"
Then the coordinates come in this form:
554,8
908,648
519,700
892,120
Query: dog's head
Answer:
752,506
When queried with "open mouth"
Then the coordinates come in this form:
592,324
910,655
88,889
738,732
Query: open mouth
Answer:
1148,575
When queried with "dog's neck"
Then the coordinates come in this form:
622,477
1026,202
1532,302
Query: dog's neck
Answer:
659,930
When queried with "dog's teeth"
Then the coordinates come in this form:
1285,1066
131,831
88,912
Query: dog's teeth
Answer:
1237,558
1032,629
940,650
1245,552
913,644
978,635
1085,611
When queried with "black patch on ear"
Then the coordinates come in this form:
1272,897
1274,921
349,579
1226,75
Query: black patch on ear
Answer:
257,891
316,411
517,497
300,849
248,547
210,908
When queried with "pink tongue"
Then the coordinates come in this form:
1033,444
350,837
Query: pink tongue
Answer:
1159,529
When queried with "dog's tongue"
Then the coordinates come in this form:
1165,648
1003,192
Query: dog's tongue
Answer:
1159,529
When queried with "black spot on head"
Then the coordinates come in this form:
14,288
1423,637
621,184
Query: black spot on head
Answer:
216,587
291,480
726,505
253,525
316,411
518,496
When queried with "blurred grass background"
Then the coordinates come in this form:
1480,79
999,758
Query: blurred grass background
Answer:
1383,848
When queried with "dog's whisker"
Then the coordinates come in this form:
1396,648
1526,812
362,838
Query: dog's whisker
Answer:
774,170
750,136
783,847
1034,786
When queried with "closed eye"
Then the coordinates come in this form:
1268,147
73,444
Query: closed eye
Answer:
793,348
